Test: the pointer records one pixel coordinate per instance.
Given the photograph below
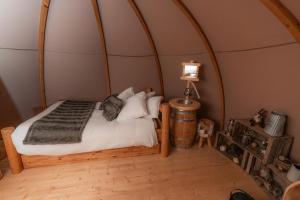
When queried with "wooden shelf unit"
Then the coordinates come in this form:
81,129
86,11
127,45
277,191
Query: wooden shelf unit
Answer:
281,176
252,160
276,146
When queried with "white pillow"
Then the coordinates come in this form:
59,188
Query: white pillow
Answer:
135,107
126,94
153,104
150,94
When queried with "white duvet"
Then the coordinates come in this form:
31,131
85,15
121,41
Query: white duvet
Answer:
98,134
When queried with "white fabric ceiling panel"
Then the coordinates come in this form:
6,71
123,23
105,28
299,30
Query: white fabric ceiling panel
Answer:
72,27
74,76
19,73
172,32
236,24
19,23
139,72
123,32
207,86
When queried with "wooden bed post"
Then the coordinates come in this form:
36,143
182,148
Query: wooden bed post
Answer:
14,158
165,109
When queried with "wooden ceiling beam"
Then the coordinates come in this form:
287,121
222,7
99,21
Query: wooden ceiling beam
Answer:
102,43
284,16
211,54
151,42
41,50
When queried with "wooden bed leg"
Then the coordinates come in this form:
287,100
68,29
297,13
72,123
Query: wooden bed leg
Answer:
165,129
14,158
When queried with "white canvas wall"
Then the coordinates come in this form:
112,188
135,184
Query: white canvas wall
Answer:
172,32
18,66
139,72
124,34
235,24
19,74
74,63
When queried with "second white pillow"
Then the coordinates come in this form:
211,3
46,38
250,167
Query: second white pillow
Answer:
153,104
126,94
134,108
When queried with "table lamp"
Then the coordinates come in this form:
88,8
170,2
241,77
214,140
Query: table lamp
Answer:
190,74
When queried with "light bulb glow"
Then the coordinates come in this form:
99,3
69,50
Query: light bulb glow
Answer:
190,70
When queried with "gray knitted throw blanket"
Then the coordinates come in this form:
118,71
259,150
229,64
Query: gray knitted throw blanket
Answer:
64,125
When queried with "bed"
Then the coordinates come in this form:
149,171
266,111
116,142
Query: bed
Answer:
100,139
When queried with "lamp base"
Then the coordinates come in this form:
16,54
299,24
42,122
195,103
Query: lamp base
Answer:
188,94
187,101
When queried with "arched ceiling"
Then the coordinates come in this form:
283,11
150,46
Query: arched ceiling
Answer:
19,22
123,33
74,61
235,24
172,33
244,35
128,47
228,24
71,28
293,6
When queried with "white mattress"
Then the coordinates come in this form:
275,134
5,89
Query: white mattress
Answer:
98,134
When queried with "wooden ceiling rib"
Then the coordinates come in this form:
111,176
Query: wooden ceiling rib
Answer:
103,43
211,53
43,21
284,16
151,41
41,49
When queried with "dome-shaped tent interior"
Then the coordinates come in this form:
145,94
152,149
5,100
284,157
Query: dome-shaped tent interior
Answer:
52,50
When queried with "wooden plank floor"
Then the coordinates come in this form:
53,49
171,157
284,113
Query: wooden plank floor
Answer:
186,175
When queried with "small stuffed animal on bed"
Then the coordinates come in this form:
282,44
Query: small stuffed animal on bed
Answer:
259,118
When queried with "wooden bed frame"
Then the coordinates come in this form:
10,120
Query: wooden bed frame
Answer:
18,162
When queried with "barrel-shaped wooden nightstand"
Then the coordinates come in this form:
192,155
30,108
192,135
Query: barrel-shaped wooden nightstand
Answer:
183,122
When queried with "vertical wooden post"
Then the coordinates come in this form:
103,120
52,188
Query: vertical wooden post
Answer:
142,20
165,108
285,16
14,158
211,53
41,47
102,43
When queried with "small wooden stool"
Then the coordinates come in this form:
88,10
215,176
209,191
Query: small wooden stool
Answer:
205,130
